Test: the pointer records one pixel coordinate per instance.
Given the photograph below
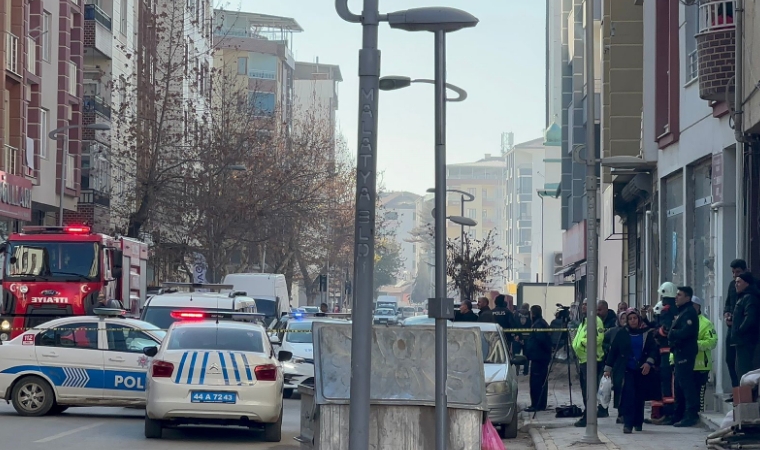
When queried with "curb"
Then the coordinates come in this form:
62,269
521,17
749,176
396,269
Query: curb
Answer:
709,422
538,440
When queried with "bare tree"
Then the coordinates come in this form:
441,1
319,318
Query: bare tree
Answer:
473,266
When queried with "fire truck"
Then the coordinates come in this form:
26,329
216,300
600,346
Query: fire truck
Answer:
49,272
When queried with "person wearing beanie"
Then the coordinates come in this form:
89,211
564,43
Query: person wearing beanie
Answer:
746,323
682,339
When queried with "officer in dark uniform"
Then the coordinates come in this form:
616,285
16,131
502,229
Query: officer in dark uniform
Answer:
682,339
503,316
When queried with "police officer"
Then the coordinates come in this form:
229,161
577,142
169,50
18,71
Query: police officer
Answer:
579,346
502,315
682,339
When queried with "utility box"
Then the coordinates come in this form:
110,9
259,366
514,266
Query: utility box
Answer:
402,412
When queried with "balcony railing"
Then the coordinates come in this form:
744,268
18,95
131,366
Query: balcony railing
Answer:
73,78
262,74
71,162
97,104
31,55
93,12
716,55
9,159
11,53
716,15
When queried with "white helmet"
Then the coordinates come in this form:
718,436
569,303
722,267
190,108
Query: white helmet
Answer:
668,289
658,308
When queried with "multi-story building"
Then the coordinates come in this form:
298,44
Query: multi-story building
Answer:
42,57
255,50
485,181
315,96
424,252
531,222
401,216
749,129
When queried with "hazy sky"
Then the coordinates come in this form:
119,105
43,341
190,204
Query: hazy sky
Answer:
500,63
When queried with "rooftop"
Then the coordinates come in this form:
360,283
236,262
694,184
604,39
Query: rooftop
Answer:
256,20
308,70
488,160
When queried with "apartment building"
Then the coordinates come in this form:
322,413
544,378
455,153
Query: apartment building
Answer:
401,217
424,252
42,57
749,126
255,50
315,96
484,180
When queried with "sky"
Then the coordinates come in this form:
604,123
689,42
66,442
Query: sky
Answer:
500,63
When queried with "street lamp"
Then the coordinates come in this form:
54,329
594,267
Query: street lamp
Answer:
394,82
54,136
439,21
464,197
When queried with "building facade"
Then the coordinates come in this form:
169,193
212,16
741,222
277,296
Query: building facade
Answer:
315,96
401,216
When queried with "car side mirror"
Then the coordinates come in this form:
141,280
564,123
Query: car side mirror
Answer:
274,339
283,356
150,351
519,360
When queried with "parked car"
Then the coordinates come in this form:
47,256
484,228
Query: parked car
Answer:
385,316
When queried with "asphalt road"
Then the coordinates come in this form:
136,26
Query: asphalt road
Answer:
122,429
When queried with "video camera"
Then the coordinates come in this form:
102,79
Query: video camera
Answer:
563,313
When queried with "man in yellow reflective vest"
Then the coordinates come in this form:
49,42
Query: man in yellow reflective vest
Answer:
707,340
579,346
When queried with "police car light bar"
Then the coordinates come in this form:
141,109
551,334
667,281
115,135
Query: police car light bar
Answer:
195,286
224,315
188,315
109,312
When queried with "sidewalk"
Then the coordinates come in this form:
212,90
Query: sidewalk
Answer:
550,433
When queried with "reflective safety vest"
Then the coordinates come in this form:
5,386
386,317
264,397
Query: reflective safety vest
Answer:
707,340
579,342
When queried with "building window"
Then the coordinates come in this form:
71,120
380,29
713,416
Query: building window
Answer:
261,103
472,213
485,214
44,130
525,236
124,17
472,191
526,185
242,66
46,35
672,239
690,30
484,193
667,78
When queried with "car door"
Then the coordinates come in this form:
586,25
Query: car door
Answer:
125,363
69,356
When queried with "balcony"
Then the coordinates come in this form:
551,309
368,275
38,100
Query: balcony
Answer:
262,74
94,103
98,37
9,160
93,197
715,49
11,53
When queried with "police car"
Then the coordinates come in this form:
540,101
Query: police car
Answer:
78,361
296,340
215,373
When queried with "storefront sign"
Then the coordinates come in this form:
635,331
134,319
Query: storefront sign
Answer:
574,244
15,197
717,177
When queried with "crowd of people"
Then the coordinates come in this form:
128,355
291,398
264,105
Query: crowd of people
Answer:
660,354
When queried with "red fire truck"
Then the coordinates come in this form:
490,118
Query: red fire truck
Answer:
50,272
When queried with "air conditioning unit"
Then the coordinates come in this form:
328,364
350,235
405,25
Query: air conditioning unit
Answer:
558,260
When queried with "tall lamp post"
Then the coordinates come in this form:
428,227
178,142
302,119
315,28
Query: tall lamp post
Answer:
439,21
464,197
58,133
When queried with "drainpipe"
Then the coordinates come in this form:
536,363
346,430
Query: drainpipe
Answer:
741,240
647,257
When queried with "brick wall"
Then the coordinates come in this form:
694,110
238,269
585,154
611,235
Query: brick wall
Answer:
96,216
717,64
89,33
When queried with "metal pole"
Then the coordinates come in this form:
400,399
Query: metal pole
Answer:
592,435
64,153
445,306
464,292
543,256
364,241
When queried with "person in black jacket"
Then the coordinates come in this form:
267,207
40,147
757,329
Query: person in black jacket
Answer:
682,339
538,350
465,313
609,338
503,316
609,318
629,363
485,314
738,267
746,323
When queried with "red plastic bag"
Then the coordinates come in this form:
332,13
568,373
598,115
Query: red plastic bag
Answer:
491,439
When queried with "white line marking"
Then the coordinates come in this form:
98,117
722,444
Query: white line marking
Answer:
66,433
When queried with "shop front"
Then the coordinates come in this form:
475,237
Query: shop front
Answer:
15,203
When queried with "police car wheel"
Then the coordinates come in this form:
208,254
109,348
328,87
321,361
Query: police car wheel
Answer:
153,428
287,393
273,431
32,396
509,431
58,409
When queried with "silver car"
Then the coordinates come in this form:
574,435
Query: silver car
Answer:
385,316
500,373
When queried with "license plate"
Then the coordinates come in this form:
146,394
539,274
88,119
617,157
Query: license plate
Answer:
213,397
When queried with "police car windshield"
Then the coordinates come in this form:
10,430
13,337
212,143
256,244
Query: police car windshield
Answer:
302,333
161,316
52,260
216,338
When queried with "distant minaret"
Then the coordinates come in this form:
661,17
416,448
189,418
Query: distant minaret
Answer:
507,142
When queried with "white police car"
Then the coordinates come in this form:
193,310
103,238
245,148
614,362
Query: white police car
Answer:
78,361
215,373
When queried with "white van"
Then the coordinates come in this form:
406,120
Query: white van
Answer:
269,289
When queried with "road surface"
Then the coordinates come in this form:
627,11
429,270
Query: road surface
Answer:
122,429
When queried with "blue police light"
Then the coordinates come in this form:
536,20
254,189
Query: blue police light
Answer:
298,315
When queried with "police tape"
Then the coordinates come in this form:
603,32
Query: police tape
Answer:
24,329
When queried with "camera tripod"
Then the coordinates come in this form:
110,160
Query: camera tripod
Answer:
570,410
